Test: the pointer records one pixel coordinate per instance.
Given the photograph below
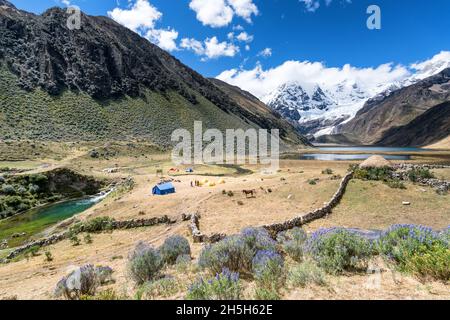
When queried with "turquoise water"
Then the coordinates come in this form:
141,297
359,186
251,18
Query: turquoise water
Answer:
370,151
37,220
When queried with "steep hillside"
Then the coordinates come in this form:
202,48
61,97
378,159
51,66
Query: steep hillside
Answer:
444,144
399,108
431,126
101,82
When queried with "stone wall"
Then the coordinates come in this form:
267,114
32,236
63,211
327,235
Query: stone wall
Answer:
198,236
276,228
115,225
320,213
402,171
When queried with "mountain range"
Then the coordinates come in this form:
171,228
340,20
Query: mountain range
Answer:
104,81
321,109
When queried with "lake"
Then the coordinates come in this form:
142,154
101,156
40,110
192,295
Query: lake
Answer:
37,220
361,153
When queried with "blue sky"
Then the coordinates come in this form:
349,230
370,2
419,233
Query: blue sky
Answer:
334,34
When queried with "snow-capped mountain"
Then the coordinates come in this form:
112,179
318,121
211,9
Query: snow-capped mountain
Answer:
318,107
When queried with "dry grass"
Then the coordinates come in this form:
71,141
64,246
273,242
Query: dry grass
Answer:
368,205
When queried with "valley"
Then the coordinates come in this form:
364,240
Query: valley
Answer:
366,205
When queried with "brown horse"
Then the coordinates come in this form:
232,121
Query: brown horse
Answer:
251,193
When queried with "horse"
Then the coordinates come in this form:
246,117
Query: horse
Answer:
252,193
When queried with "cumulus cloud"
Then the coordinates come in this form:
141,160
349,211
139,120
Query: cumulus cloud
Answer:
313,5
220,13
211,48
164,38
267,52
244,37
261,82
141,17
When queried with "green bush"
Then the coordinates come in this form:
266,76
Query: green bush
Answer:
225,286
162,288
337,250
98,224
174,247
375,174
327,171
416,249
433,262
144,263
292,242
8,189
395,184
265,294
268,270
236,252
306,273
420,173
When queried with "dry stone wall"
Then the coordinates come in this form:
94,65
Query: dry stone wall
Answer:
115,225
276,228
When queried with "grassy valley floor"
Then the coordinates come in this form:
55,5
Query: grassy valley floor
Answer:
366,205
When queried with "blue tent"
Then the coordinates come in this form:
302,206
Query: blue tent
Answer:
163,189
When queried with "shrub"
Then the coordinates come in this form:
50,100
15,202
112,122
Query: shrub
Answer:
337,250
174,247
417,249
327,171
8,189
306,273
88,239
164,288
144,263
98,224
75,240
225,286
431,262
183,262
375,174
266,294
395,184
420,173
48,256
312,182
236,252
268,270
292,242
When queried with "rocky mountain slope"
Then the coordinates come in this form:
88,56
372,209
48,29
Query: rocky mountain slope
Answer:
376,121
260,110
429,127
102,82
317,110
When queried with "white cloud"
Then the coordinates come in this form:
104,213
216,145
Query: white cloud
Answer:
141,17
267,52
165,39
244,37
220,13
247,47
244,9
313,5
261,82
211,48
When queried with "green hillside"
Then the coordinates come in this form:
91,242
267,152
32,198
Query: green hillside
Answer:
36,115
